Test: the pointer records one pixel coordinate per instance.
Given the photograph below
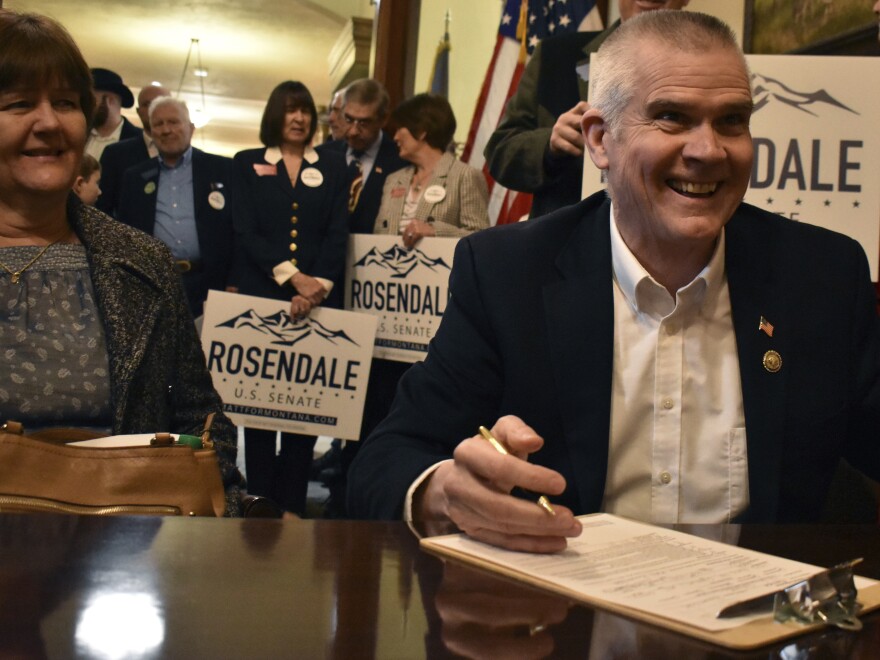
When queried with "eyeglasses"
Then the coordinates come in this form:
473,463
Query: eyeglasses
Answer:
359,122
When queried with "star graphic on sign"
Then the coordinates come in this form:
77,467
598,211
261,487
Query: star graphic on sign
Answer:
505,20
797,202
565,20
856,204
827,202
769,200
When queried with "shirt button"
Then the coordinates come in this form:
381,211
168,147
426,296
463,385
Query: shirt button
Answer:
665,477
293,233
668,404
294,206
293,247
294,219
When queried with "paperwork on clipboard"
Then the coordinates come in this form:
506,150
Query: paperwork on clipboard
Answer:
666,577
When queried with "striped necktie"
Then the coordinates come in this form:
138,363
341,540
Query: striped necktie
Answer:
357,180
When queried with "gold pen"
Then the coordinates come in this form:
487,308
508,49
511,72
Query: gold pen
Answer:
542,502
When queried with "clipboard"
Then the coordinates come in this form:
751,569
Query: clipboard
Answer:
754,634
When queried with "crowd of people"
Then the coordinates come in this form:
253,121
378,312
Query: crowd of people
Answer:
620,361
272,222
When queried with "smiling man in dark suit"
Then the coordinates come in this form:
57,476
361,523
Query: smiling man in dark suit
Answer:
666,353
180,198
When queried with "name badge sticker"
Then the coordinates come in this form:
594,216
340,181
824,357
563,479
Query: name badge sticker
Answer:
263,169
217,200
435,194
398,192
312,177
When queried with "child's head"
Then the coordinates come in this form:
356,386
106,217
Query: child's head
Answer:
86,184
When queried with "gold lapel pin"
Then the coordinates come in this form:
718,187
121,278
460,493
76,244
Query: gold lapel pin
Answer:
772,361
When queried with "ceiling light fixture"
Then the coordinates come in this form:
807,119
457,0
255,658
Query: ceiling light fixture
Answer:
199,116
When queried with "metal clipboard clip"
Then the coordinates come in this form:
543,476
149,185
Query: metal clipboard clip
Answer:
827,597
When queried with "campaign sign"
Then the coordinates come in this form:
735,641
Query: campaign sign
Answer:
406,290
301,376
817,144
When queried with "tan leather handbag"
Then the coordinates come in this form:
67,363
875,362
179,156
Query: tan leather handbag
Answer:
40,472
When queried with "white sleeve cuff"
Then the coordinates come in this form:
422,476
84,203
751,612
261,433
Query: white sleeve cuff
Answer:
410,493
284,271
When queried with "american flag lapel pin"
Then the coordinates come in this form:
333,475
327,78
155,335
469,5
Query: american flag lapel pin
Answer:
766,327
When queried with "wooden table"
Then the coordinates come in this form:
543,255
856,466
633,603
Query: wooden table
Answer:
202,588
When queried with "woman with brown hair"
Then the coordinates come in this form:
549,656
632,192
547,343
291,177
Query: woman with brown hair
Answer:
289,207
94,327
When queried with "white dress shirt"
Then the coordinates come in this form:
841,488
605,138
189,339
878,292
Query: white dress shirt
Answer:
96,143
677,448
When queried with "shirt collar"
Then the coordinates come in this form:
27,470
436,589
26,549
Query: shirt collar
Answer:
150,144
370,152
184,160
113,137
645,295
273,155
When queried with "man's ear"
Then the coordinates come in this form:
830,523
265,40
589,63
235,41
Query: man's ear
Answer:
595,132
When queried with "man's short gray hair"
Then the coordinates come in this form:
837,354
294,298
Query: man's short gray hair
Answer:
614,80
159,101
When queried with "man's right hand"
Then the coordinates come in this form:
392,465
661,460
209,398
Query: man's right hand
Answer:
473,492
566,138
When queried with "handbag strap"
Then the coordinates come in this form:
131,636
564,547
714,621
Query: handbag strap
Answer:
206,432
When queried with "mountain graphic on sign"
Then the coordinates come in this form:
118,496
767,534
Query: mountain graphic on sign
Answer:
285,331
401,261
767,90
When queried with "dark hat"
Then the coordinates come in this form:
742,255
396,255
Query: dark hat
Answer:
110,81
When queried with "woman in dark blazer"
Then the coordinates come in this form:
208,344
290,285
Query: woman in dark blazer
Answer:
290,216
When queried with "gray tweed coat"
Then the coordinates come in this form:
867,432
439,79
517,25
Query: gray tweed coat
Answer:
158,377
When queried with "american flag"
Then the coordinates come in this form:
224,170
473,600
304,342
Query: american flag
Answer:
523,24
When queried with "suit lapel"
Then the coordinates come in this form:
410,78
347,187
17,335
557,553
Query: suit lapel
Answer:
201,188
399,180
755,292
440,177
146,215
580,325
128,299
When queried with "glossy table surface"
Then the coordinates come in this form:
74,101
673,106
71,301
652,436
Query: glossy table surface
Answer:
166,587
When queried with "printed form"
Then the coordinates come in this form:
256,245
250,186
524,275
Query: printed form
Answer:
639,566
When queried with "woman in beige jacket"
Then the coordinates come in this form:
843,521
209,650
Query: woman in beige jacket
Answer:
438,195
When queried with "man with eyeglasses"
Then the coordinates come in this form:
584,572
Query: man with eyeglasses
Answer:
369,151
372,155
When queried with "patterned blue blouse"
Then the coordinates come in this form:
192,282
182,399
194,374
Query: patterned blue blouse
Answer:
55,366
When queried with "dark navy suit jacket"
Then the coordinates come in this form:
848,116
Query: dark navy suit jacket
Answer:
267,209
115,160
388,160
536,340
211,173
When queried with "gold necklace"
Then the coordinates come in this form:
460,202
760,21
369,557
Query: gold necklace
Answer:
16,274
